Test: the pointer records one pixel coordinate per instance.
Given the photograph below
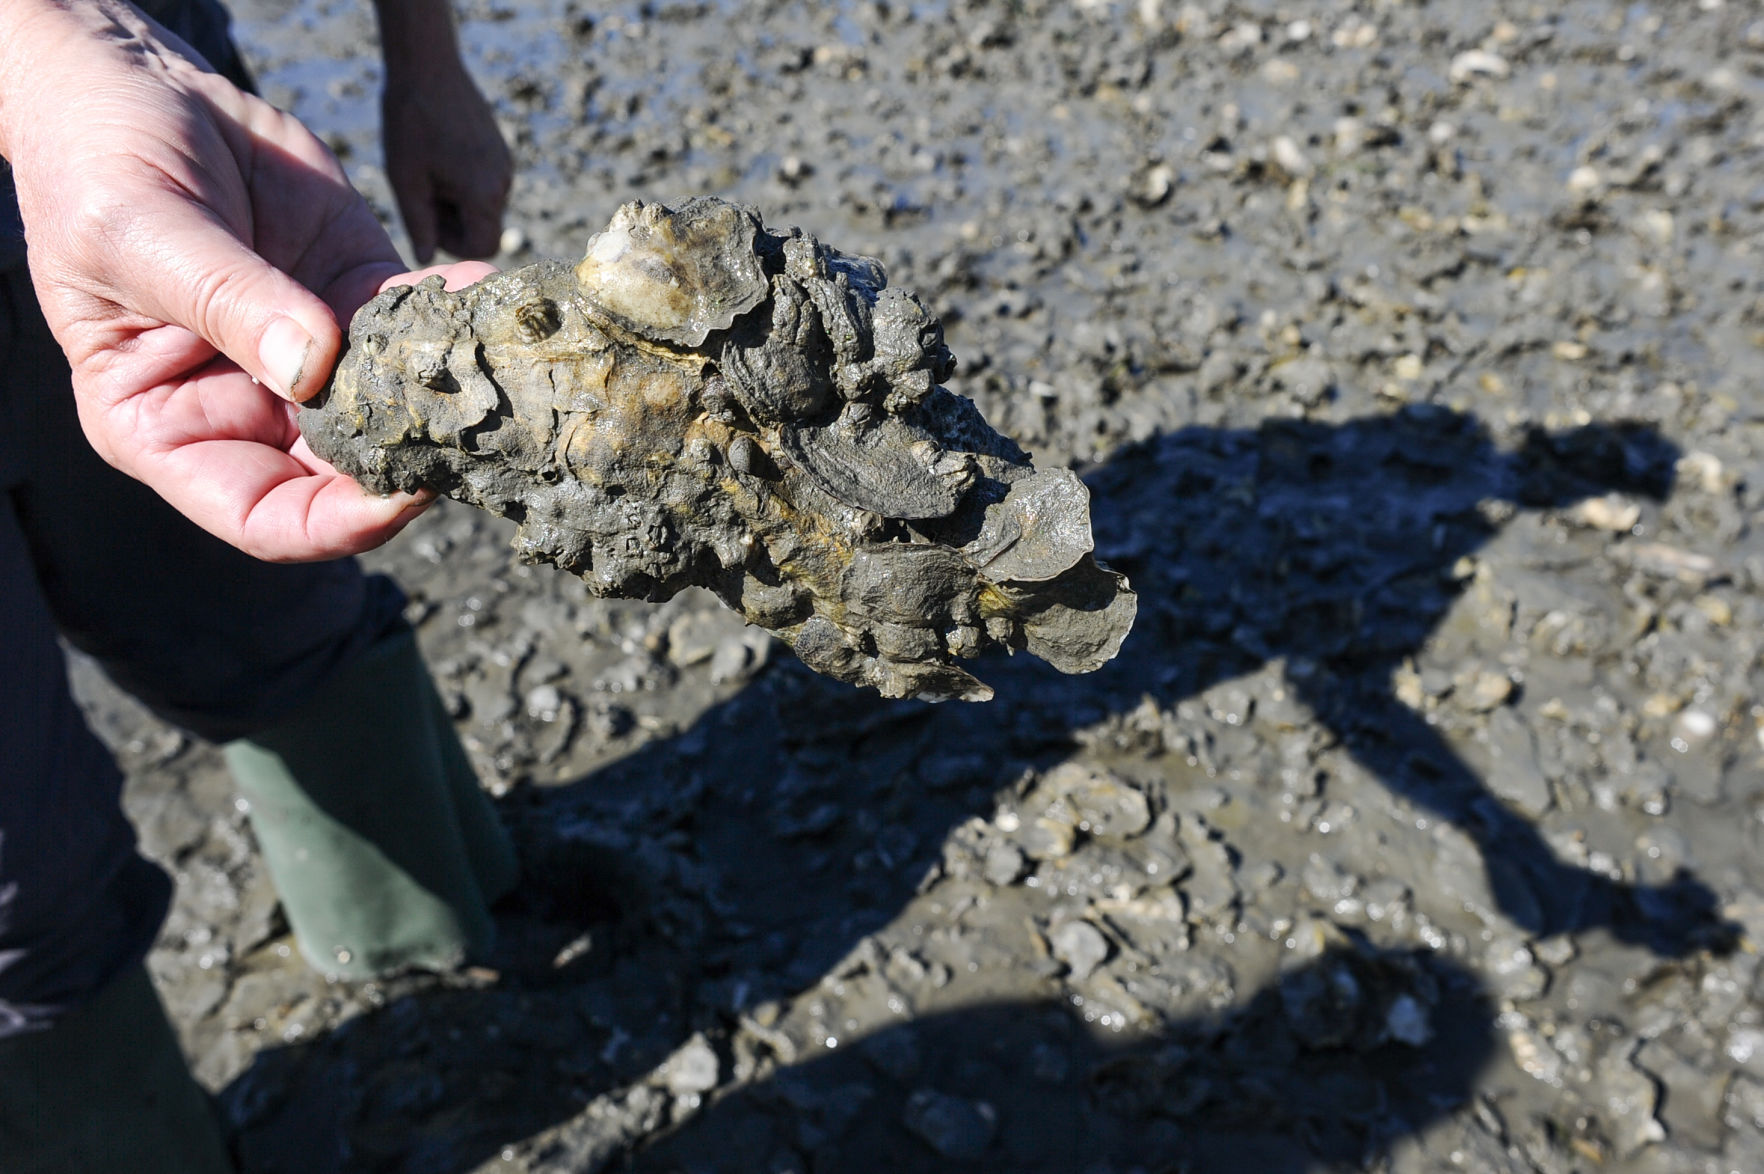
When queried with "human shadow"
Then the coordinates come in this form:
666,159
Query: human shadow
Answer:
1337,550
755,850
1327,1065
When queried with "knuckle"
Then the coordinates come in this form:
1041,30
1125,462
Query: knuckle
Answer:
98,219
215,297
213,301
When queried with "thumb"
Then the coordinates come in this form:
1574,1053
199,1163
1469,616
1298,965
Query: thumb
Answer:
208,281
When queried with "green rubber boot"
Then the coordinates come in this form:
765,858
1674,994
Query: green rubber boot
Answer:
385,852
106,1091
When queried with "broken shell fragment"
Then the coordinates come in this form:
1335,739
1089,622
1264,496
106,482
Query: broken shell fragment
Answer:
703,401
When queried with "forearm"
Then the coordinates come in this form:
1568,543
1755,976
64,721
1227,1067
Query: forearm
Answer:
416,37
445,155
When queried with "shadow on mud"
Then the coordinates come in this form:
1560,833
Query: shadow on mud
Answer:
1337,551
759,847
1302,1076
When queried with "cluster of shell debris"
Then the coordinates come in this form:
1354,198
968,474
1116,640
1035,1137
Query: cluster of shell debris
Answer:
704,402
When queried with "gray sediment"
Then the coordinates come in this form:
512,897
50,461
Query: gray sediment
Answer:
1408,354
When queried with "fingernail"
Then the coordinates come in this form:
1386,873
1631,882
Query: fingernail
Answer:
284,352
410,506
407,503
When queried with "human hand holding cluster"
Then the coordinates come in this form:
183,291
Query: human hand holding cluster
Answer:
194,250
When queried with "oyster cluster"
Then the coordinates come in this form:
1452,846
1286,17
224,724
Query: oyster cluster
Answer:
703,401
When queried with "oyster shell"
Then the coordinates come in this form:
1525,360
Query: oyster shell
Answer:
703,401
674,276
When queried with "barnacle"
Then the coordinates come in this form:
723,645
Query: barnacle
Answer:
703,401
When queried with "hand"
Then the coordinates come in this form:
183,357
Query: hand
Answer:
193,250
449,167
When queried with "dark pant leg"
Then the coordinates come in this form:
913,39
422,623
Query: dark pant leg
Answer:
77,903
210,638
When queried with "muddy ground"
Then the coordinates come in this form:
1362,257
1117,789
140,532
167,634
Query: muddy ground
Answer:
1410,351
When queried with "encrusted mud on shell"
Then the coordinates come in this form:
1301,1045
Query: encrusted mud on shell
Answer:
704,401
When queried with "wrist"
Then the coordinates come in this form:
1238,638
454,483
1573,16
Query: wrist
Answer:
417,40
32,32
44,43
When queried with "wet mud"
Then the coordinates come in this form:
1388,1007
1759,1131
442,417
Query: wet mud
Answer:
1409,355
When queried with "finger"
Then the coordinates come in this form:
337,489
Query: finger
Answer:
268,504
416,203
458,275
186,268
480,229
353,289
326,517
476,229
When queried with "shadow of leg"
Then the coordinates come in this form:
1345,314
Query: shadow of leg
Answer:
1530,885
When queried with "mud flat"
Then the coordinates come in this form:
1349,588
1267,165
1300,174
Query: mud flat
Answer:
1409,354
